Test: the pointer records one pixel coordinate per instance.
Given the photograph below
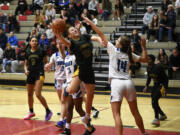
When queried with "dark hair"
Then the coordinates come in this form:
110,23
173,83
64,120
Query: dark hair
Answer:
152,57
33,37
153,21
126,47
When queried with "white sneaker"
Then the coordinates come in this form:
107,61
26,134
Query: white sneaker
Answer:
3,71
155,41
147,40
124,7
8,4
119,19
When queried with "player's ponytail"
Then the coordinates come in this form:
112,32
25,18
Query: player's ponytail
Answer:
126,47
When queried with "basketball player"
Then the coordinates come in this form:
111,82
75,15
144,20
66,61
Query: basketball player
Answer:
34,69
81,46
120,57
76,98
157,73
58,59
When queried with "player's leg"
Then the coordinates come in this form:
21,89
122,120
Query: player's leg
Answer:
30,93
78,105
162,114
116,110
59,89
69,115
132,101
38,88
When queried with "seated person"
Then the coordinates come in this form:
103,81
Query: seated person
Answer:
3,39
37,5
174,63
20,57
164,5
3,21
136,48
164,24
147,19
8,56
106,7
13,40
22,7
119,10
12,23
43,42
50,11
177,4
162,58
153,28
93,7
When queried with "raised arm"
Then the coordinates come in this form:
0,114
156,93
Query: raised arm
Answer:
143,57
97,30
61,38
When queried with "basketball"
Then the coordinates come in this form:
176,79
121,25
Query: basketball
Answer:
59,24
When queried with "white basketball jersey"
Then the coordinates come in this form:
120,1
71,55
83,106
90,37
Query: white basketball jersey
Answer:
119,62
70,61
57,59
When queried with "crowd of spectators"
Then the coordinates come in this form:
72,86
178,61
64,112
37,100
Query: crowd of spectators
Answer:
45,11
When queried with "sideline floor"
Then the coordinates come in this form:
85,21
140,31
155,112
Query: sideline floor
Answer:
13,107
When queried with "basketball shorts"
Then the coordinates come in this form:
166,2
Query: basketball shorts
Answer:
122,88
87,75
34,76
59,84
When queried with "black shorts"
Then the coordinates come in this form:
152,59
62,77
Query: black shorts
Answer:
34,76
87,75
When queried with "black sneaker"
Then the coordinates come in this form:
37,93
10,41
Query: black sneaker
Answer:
95,114
66,132
89,130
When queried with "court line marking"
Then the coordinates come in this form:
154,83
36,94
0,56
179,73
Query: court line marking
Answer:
46,126
170,121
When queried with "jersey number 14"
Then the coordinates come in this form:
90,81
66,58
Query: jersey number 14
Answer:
121,65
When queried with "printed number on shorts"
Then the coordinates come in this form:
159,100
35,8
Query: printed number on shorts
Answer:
121,65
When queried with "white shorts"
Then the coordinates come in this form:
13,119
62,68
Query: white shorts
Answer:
122,88
79,93
59,84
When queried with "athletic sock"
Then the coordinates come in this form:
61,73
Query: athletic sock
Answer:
67,125
47,110
93,108
31,110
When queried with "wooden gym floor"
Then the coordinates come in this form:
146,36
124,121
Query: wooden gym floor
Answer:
13,107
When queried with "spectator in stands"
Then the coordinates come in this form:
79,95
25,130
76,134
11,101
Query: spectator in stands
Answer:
167,23
93,7
37,5
3,21
12,23
39,30
177,5
39,19
72,13
174,63
1,54
7,2
87,26
3,39
22,7
136,48
20,57
164,5
153,28
119,10
83,5
147,19
49,33
106,7
43,42
50,11
13,40
8,56
162,58
33,33
127,2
